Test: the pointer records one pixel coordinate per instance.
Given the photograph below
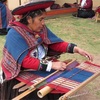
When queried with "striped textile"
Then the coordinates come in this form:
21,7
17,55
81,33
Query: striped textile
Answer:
32,77
70,80
61,82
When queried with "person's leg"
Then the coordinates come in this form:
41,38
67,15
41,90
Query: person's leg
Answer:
86,13
79,13
91,14
7,92
82,14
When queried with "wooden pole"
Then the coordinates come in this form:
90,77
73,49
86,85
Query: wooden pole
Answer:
64,97
23,94
77,1
19,2
44,91
18,85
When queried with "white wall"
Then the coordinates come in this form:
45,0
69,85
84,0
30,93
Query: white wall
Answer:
61,2
96,3
14,3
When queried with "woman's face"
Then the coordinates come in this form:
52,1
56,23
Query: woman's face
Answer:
37,23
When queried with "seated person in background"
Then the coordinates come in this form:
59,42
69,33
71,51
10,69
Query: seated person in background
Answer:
68,5
5,17
85,9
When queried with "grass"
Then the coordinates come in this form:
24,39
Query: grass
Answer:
85,33
2,40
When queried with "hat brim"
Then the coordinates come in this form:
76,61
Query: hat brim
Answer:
31,7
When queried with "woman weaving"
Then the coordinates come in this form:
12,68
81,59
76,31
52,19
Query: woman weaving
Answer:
28,43
5,17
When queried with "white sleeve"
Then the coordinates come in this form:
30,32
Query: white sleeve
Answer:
49,66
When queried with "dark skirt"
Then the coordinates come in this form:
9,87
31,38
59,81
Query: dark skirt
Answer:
85,13
3,31
7,93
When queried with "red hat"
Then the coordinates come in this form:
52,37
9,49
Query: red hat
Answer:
31,6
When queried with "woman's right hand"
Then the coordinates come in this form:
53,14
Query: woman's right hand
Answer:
59,65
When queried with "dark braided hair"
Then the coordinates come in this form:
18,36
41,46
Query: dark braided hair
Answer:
31,14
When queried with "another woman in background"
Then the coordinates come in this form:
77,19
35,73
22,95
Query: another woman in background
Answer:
5,17
85,9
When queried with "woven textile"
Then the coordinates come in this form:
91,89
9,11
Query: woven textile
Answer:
63,81
32,77
70,80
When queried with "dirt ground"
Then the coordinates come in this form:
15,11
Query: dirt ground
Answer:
97,59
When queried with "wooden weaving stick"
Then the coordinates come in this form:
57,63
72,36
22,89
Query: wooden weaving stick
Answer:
44,91
18,85
24,94
64,97
33,87
23,88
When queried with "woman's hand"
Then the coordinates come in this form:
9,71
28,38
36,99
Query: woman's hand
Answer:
83,53
59,65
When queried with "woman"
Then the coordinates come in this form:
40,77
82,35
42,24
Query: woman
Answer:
27,45
85,9
5,17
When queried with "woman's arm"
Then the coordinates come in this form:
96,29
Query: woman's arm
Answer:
83,53
70,48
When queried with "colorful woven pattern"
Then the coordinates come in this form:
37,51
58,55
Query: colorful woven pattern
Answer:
32,77
61,82
70,80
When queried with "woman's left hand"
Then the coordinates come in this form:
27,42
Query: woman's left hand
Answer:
83,53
